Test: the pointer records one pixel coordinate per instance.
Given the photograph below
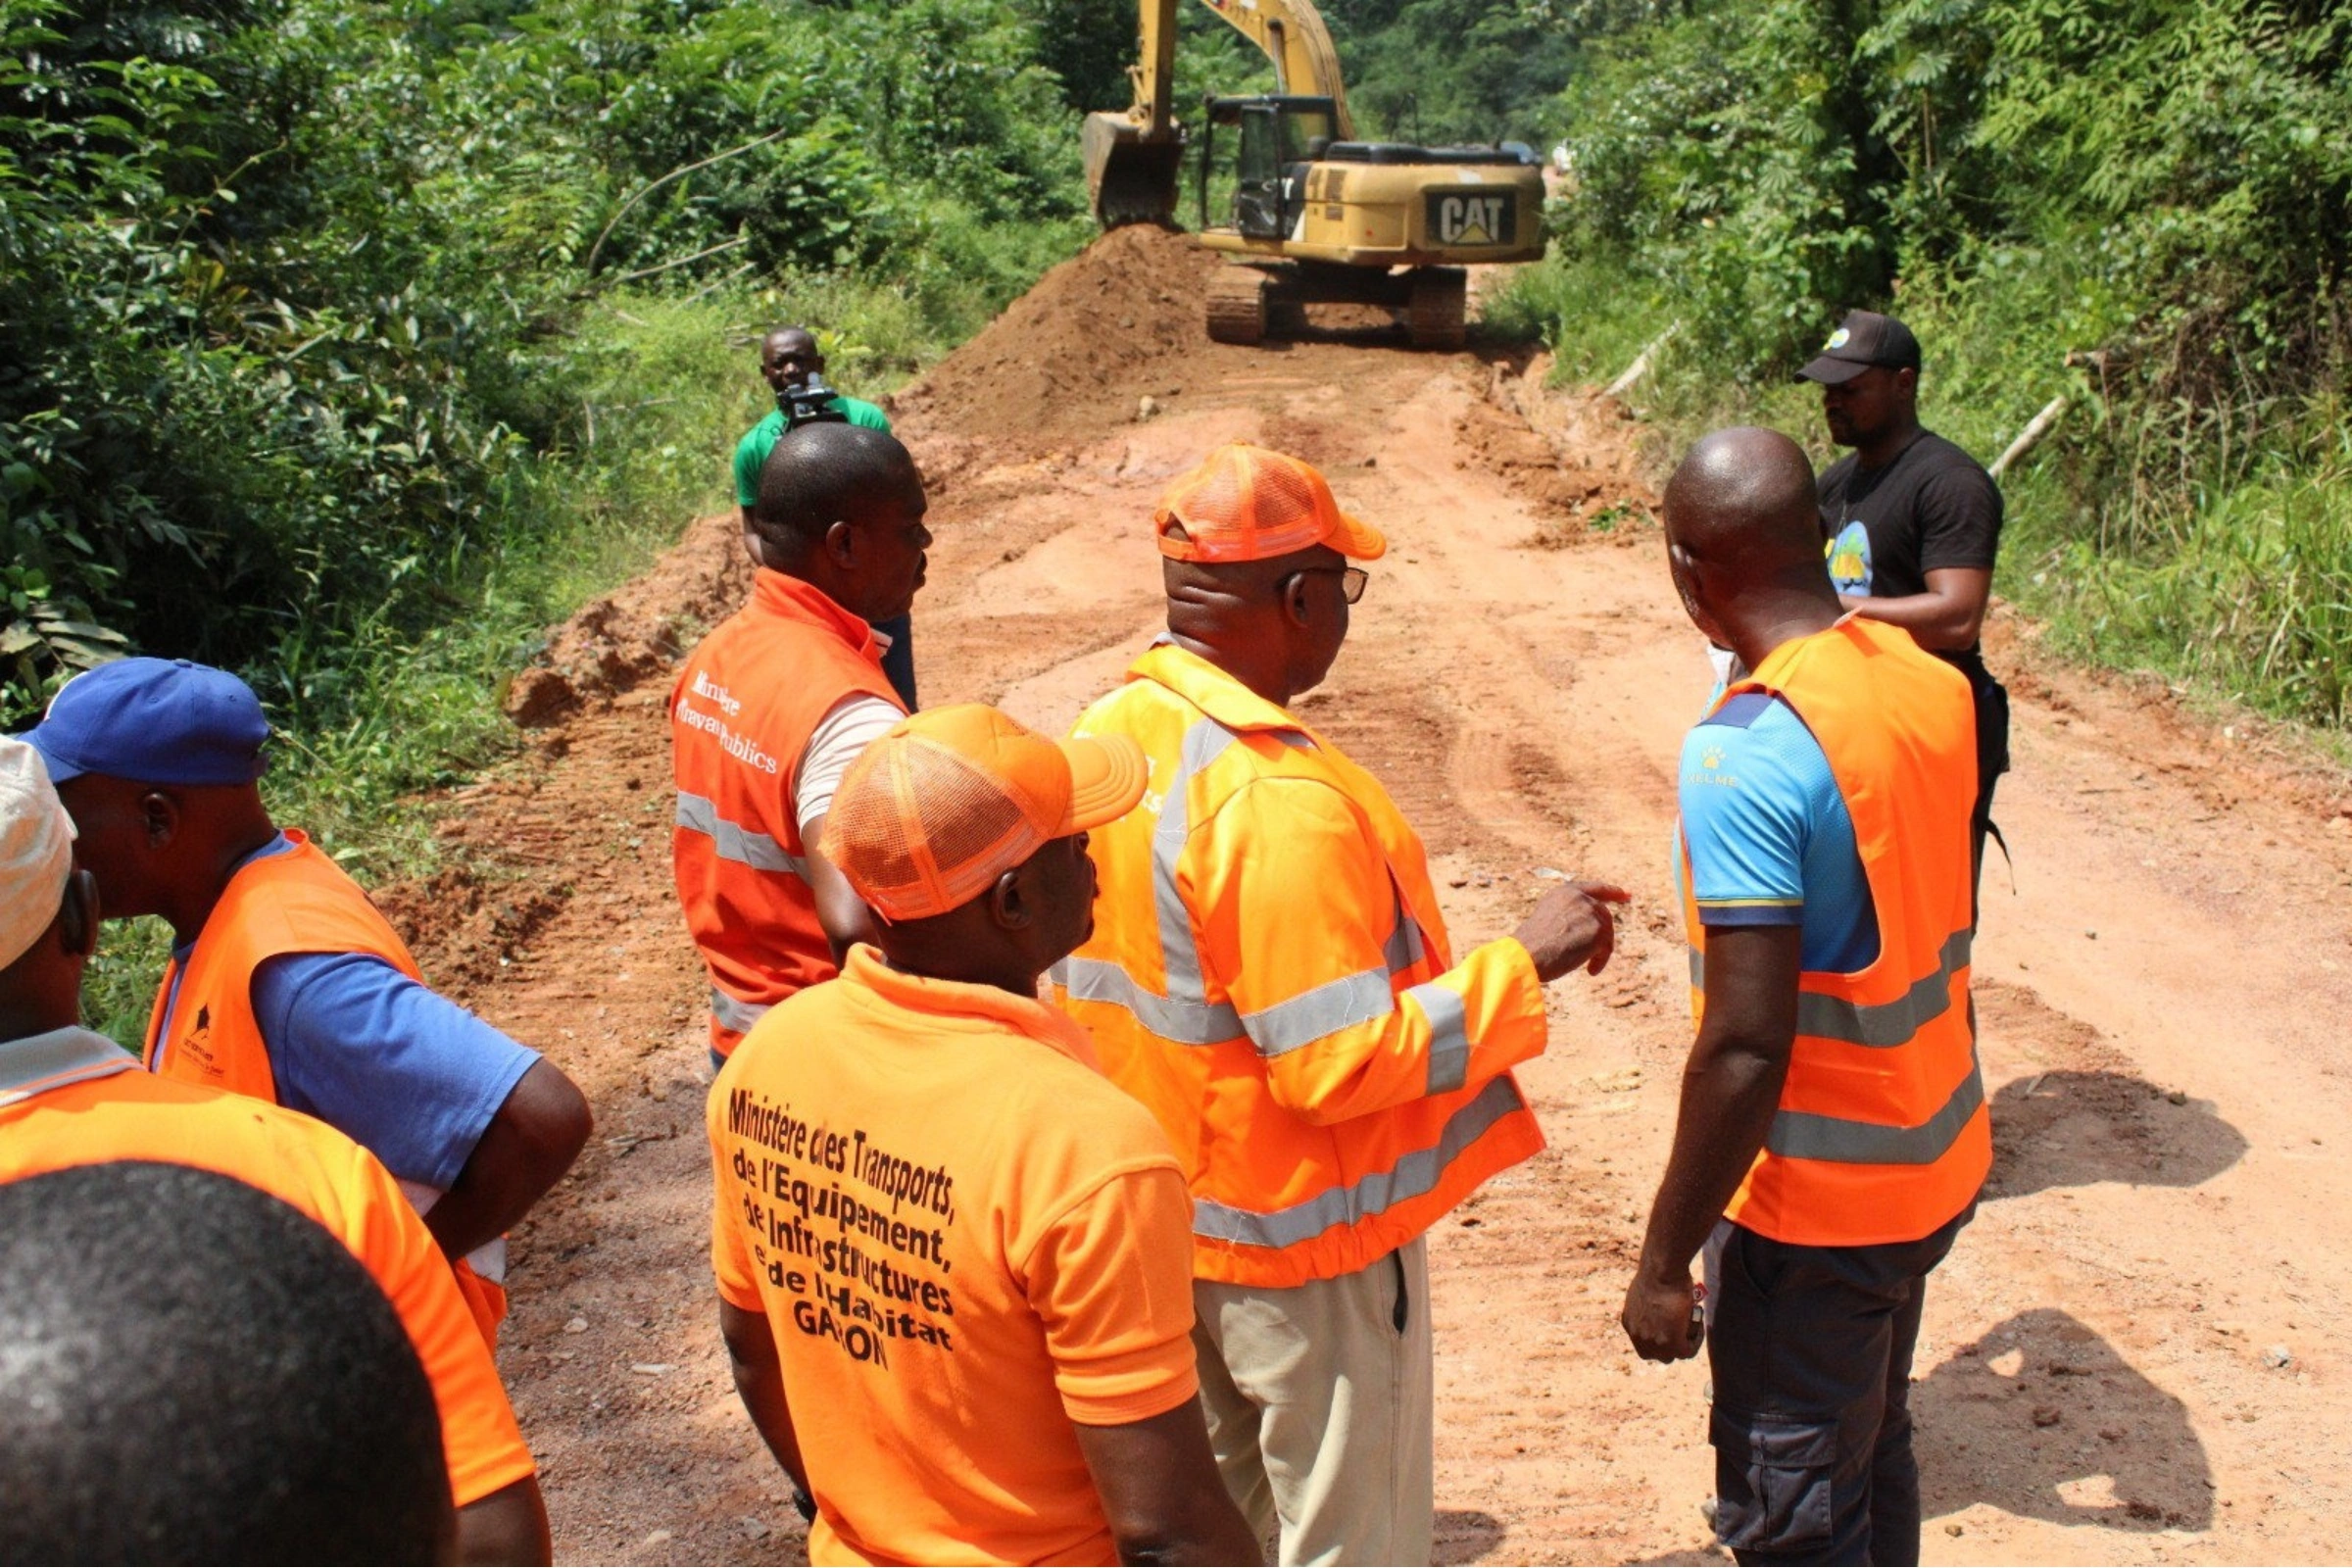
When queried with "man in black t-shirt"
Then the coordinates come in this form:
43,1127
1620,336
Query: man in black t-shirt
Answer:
1913,523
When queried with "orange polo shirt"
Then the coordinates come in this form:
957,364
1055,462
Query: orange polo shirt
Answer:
72,1097
965,1240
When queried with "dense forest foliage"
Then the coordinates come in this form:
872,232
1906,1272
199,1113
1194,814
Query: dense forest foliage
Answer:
304,303
308,307
2145,206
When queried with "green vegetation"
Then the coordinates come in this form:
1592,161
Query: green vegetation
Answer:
350,343
1453,71
2143,205
344,342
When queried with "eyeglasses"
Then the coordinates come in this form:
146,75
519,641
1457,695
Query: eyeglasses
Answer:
1353,579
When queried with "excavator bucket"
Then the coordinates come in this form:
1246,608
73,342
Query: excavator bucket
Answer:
1131,176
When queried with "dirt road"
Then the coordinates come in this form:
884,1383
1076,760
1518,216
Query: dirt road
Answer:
2129,1356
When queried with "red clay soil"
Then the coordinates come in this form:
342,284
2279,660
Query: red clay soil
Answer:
1106,324
2133,1353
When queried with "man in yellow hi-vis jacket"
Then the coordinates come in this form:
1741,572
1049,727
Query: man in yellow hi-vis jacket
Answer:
1269,973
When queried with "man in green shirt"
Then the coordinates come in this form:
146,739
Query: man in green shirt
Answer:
788,358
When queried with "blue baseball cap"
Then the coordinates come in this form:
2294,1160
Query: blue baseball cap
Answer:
154,720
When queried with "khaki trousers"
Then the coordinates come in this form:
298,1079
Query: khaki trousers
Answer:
1319,1400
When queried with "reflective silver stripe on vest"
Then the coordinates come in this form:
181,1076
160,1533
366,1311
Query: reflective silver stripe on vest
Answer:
1192,1023
1879,1025
1180,954
1323,1009
1416,1175
1807,1135
1185,1016
734,1013
1448,1036
1405,946
735,841
38,1063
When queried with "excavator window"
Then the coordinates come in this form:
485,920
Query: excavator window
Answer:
1257,205
1281,135
1302,130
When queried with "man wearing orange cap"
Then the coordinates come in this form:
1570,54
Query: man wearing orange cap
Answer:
961,1250
1271,976
70,1097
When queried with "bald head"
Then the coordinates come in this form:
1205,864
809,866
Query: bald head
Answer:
1744,495
821,474
1744,541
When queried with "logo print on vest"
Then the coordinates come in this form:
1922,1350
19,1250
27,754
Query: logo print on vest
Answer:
199,1040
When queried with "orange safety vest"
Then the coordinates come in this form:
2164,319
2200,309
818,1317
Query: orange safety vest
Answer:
1882,1133
296,902
72,1097
748,699
1269,974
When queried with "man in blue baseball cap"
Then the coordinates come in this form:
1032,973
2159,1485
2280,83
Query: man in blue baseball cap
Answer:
285,983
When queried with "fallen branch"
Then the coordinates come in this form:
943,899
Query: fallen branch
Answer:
737,243
679,173
1642,362
720,283
2031,436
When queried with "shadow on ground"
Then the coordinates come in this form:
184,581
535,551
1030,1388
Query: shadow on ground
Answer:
1464,1534
2073,1129
2043,1419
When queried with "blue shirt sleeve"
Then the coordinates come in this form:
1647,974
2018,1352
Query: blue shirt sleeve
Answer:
1747,816
401,1071
1771,840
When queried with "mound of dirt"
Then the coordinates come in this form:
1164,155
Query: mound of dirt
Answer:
611,644
1111,322
1570,453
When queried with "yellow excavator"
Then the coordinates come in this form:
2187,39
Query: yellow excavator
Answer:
1318,218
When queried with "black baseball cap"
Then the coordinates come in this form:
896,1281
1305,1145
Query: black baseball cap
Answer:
1863,339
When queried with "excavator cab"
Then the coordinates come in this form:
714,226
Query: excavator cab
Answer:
1281,135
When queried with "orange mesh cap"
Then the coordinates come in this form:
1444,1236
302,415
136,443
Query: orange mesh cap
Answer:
1244,503
953,798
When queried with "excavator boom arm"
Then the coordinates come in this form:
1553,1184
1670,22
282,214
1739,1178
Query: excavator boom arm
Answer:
1132,159
1292,34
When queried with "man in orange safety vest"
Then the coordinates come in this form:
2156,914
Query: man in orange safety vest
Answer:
772,707
1832,1134
285,982
70,1097
1270,974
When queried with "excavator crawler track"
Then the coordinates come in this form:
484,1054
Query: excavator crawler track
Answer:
1237,305
1434,314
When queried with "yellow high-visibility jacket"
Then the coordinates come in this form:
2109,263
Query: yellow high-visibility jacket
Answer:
1270,975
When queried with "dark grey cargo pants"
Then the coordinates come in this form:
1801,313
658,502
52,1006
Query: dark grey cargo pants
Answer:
1811,1353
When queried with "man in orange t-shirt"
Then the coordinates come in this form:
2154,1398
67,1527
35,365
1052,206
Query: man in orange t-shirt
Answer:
72,1097
962,1250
